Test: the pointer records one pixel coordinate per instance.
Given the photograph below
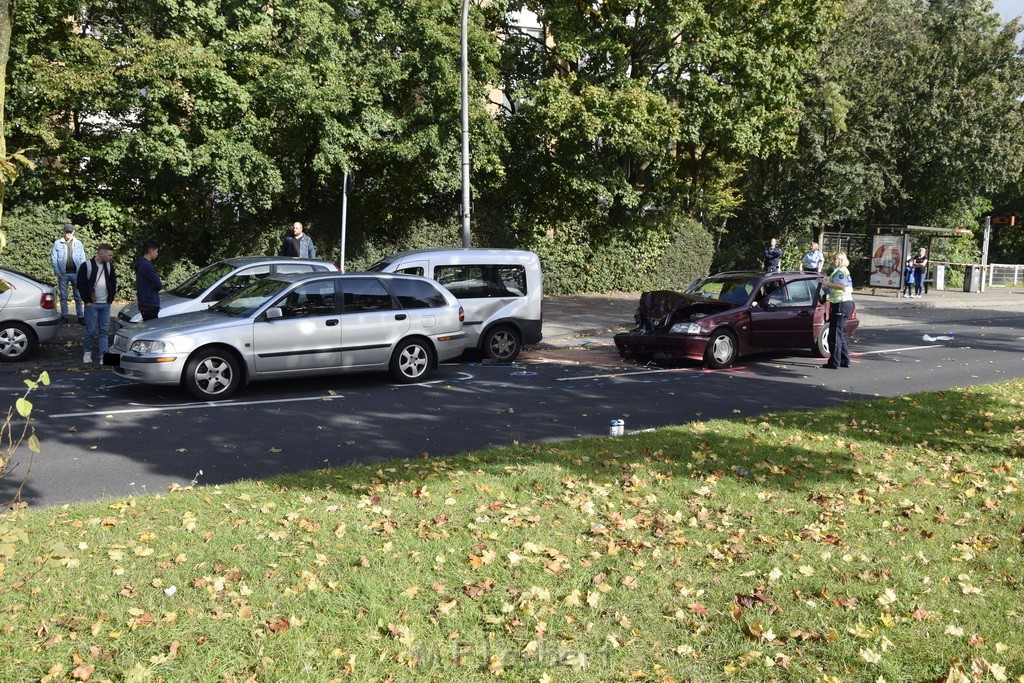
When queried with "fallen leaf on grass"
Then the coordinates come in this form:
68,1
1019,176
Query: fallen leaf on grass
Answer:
479,589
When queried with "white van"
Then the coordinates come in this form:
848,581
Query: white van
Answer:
501,291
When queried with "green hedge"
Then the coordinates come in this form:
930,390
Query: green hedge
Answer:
665,254
31,233
668,255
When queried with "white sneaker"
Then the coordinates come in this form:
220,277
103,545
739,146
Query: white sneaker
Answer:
87,358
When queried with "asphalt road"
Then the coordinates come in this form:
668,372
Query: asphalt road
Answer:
107,437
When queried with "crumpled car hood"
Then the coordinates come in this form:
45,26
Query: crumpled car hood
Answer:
659,310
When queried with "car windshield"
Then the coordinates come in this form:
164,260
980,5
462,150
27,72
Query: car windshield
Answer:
733,289
201,281
245,302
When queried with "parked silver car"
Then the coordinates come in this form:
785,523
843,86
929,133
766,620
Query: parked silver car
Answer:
216,281
297,325
28,314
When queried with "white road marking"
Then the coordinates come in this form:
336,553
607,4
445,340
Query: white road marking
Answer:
194,406
905,348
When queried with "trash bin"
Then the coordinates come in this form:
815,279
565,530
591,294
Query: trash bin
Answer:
940,278
972,278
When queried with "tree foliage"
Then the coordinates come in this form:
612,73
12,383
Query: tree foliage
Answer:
212,124
643,105
912,116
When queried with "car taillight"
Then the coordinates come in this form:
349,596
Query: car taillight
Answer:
462,315
47,301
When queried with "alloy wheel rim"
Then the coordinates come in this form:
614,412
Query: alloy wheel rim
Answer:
413,361
502,345
213,376
13,342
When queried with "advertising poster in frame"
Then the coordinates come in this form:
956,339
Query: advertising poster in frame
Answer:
887,256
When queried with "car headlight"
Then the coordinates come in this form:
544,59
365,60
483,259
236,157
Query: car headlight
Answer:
147,346
685,328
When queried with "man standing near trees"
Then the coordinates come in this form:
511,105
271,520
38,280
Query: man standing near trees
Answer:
147,282
97,283
66,257
297,244
773,257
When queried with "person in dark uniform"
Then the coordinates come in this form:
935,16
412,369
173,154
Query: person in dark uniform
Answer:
773,257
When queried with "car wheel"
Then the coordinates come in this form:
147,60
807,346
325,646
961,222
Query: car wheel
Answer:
212,375
411,361
501,343
821,347
16,342
722,349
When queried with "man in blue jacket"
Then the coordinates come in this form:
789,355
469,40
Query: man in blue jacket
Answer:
66,257
147,282
97,283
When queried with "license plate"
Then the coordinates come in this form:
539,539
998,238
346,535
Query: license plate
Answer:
112,360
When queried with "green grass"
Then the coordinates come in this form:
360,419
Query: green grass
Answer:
878,541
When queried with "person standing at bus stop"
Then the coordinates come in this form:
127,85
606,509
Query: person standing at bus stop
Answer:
840,299
920,270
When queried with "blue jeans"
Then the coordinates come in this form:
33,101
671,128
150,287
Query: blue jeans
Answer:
64,280
97,322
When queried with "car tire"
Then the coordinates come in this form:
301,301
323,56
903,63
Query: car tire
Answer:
212,375
722,349
501,343
16,342
821,347
411,361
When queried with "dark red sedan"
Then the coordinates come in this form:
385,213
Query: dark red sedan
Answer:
722,317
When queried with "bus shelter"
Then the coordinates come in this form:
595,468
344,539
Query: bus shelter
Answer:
891,246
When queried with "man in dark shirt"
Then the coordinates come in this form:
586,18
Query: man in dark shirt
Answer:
147,282
298,244
772,256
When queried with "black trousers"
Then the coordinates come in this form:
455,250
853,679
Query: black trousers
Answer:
839,311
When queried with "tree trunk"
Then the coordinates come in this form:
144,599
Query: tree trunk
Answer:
6,19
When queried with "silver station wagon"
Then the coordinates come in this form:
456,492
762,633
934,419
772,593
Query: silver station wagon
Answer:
295,326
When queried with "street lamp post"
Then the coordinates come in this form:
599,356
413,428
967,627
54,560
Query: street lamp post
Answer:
465,125
344,218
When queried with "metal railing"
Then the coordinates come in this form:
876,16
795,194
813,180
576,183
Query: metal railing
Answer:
1004,275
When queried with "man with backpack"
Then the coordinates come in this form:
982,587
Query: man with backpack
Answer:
97,283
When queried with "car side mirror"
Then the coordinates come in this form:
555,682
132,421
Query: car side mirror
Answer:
274,312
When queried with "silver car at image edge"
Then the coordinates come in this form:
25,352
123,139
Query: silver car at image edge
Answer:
28,315
287,326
